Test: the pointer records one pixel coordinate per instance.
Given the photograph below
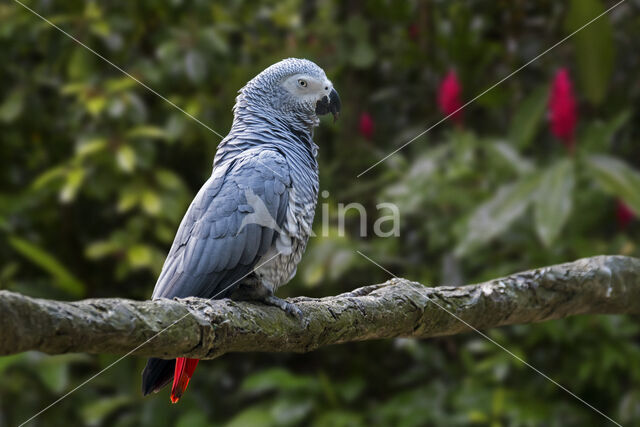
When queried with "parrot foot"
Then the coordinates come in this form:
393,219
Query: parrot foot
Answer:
285,306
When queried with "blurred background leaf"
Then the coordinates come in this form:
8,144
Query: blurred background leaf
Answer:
553,203
594,47
617,178
63,278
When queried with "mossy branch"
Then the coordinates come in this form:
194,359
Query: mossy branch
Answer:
204,329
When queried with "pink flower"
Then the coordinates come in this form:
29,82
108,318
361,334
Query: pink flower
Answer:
449,97
624,215
563,114
366,125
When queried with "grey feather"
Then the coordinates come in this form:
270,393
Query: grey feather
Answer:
260,199
206,256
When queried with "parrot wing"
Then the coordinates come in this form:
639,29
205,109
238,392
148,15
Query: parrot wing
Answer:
231,223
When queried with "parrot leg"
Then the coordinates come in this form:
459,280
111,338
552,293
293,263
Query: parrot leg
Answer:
253,289
285,306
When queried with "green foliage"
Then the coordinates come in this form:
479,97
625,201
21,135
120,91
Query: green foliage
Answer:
594,48
494,216
617,178
64,279
97,172
526,121
554,200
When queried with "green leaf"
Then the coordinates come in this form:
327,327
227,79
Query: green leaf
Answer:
92,146
14,359
100,249
526,120
597,135
330,256
101,28
139,256
495,215
151,203
79,64
12,106
214,41
74,88
593,47
554,200
290,412
95,104
64,279
520,165
129,197
341,260
193,419
46,177
254,417
147,132
339,418
617,178
126,158
476,416
74,179
54,372
277,379
96,411
168,179
119,84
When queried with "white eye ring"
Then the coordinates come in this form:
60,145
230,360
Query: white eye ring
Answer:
302,82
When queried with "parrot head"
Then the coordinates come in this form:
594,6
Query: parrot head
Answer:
294,89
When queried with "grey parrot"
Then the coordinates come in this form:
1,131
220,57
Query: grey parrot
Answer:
247,228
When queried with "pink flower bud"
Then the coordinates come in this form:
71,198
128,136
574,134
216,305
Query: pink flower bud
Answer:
624,215
413,31
449,97
366,125
563,114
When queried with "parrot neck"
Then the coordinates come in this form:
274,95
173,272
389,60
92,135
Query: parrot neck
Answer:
290,133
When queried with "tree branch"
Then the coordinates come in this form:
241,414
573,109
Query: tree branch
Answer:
397,308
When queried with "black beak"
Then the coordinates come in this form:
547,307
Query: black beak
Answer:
329,104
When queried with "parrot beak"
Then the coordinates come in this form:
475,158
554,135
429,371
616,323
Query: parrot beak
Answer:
329,104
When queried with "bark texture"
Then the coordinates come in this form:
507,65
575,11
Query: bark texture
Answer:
198,328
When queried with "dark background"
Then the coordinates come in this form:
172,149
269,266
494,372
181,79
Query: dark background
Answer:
96,173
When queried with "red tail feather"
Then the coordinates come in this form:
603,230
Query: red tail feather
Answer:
183,373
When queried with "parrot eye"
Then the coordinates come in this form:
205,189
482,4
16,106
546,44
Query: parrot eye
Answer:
302,83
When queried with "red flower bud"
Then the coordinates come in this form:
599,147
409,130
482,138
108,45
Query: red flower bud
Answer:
563,114
449,97
624,215
366,126
414,32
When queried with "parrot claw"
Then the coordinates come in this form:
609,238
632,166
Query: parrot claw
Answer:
289,308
